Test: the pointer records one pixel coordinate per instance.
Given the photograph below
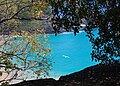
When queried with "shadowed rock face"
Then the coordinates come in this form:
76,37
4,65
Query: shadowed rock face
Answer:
40,82
98,75
50,30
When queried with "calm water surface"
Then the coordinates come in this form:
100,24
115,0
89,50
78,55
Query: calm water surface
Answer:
70,53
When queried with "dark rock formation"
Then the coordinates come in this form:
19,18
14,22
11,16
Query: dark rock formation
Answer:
50,30
98,75
40,82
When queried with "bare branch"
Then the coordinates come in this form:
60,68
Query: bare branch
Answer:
11,54
12,17
30,19
13,77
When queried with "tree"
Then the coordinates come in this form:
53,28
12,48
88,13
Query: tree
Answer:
23,51
68,14
101,14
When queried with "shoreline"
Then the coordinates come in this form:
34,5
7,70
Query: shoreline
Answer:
96,75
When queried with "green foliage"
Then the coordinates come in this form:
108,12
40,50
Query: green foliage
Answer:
26,52
101,14
16,47
5,84
23,45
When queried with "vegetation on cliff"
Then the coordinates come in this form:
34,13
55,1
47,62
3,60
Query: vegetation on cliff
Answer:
66,14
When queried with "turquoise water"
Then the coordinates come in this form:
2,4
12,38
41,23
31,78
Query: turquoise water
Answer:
70,53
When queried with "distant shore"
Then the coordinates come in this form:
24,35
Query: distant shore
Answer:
48,30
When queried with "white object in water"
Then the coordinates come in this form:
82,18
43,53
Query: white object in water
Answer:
65,56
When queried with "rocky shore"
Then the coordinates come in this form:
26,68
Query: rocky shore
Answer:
98,75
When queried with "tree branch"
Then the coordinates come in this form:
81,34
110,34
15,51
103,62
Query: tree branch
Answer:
12,77
12,17
30,19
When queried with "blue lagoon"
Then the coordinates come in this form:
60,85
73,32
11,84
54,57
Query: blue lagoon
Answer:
70,53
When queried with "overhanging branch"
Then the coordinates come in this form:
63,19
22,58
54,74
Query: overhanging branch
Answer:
30,19
12,17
